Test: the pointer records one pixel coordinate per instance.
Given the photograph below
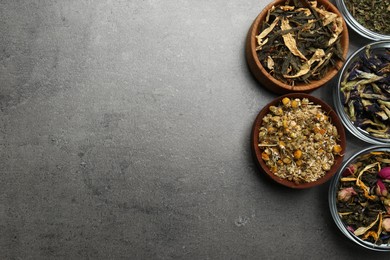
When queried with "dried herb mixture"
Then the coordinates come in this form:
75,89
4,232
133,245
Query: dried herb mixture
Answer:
372,14
365,90
363,198
299,41
298,141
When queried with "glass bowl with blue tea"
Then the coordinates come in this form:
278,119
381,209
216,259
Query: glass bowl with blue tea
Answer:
368,18
362,98
297,45
359,198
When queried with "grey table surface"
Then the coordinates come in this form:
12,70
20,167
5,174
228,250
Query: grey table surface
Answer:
125,134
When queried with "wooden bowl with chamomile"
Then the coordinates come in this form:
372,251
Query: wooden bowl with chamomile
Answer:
286,57
298,141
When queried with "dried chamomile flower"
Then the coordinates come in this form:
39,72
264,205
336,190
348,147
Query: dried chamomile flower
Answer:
298,140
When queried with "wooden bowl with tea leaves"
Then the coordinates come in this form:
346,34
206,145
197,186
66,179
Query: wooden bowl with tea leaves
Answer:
296,46
298,141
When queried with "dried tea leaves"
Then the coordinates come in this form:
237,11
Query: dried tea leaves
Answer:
289,40
301,40
363,198
373,15
298,141
365,90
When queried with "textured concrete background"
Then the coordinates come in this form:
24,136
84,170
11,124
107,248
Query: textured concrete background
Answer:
124,133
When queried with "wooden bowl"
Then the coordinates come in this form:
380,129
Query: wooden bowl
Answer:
257,153
271,83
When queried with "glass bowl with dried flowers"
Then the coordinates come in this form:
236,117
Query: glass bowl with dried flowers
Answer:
296,45
298,141
359,198
362,98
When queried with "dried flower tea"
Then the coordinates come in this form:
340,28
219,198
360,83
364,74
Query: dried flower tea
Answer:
373,15
363,198
365,90
298,141
299,41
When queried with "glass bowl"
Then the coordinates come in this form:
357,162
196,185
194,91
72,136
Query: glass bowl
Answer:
358,27
343,96
349,166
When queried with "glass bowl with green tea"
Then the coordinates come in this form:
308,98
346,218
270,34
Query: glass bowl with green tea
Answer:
369,18
362,98
359,198
298,141
296,45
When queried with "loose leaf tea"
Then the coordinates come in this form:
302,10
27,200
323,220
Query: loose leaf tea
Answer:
365,92
372,14
298,141
363,198
299,41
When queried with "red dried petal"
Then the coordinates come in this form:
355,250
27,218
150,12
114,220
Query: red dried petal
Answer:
381,188
384,173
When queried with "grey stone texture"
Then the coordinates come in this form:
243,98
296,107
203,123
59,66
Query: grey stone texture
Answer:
125,134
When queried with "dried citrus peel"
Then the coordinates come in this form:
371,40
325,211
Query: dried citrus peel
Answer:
338,28
270,63
328,18
348,179
287,7
379,225
317,56
264,33
341,214
362,230
306,11
372,234
320,62
361,184
289,40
